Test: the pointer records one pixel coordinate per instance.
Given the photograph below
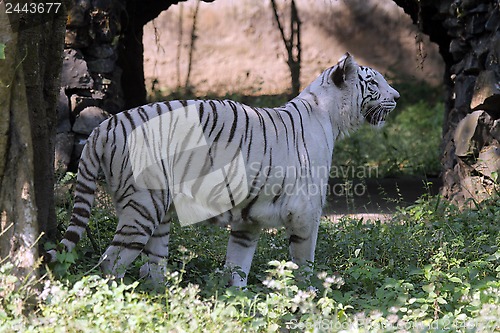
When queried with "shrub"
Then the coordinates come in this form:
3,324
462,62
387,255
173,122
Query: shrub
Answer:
431,268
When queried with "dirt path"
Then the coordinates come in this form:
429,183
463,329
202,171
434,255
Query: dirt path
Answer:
376,198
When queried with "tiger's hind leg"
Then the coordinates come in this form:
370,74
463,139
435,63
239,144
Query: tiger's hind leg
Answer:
157,252
134,230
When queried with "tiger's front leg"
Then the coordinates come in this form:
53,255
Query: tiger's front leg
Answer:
240,250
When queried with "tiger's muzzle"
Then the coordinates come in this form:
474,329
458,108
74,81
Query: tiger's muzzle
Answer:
377,114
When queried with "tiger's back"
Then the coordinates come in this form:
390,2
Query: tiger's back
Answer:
267,165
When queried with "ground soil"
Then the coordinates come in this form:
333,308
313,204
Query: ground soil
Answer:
376,199
238,48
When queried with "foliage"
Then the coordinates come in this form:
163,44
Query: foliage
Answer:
407,145
2,51
431,268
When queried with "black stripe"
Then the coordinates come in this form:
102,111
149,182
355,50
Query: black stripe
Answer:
83,188
272,120
159,110
169,106
278,195
235,122
263,127
131,233
217,136
301,121
82,212
81,199
129,118
142,114
163,234
249,145
296,239
149,253
111,159
142,210
131,246
245,211
244,235
77,222
72,236
123,134
241,243
286,129
247,122
215,115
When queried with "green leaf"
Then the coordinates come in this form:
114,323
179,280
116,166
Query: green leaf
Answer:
494,176
2,51
429,288
441,300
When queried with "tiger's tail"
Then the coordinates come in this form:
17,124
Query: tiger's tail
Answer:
86,183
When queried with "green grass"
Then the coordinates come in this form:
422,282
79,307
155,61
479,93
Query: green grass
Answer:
432,267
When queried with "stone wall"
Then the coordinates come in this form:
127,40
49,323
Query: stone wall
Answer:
471,159
90,82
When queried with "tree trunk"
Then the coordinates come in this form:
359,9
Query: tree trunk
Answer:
28,88
131,52
292,44
467,34
103,68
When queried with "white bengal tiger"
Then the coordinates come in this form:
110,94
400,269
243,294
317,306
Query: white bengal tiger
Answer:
225,162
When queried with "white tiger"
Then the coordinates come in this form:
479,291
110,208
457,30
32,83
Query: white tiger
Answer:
222,161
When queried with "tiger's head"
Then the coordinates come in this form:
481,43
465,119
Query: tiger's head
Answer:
376,97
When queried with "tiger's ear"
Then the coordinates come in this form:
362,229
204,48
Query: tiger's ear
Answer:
345,67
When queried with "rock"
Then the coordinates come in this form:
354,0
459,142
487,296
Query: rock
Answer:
488,162
468,135
444,7
495,130
96,94
104,26
102,83
75,73
486,92
78,14
475,24
493,21
100,51
105,5
79,102
88,119
454,29
473,188
471,64
76,38
464,88
458,48
492,61
480,48
105,65
481,8
63,113
114,102
79,142
63,151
